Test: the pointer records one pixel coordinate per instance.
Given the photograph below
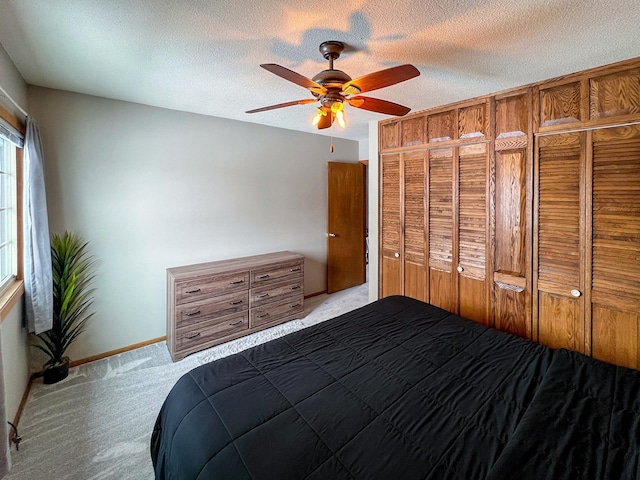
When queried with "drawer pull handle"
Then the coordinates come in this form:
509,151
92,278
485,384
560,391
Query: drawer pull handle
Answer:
192,314
295,287
294,306
192,336
263,315
193,291
260,277
236,282
236,323
264,295
237,302
295,269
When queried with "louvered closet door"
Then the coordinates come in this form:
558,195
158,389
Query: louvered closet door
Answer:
415,272
560,241
615,253
440,244
390,281
472,233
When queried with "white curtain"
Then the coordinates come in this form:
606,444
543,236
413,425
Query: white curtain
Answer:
38,284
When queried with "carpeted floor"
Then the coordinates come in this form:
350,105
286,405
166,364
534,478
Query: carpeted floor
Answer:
97,423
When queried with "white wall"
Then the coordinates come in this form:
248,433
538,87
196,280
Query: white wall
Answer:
373,210
15,370
15,360
153,188
363,149
13,84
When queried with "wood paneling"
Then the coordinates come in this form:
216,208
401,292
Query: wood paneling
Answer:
389,135
512,116
512,218
440,214
560,104
617,94
414,131
472,228
558,259
441,209
414,257
560,241
440,290
511,221
472,211
391,227
441,126
473,121
616,336
561,321
615,251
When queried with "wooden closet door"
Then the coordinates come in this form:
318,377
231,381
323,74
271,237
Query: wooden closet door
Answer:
440,238
513,215
472,227
391,275
560,241
615,253
414,257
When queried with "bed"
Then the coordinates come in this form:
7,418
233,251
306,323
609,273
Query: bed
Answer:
400,389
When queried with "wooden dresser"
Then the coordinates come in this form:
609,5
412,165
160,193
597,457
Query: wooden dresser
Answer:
212,303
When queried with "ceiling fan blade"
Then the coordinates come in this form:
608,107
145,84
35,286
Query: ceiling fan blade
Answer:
325,121
295,78
377,105
281,105
380,79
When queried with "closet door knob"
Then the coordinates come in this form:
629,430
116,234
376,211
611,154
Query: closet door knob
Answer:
575,292
331,234
397,255
460,269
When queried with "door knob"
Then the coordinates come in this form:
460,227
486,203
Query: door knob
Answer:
575,292
397,255
460,269
331,234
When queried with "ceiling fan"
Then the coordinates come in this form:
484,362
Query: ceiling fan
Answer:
333,88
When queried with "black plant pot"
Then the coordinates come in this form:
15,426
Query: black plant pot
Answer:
57,372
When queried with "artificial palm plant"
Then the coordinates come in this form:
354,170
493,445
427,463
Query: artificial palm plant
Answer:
72,269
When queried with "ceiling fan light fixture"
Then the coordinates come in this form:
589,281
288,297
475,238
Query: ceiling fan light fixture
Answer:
316,118
332,88
338,110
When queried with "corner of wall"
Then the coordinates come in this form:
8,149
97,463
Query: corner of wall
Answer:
15,360
373,210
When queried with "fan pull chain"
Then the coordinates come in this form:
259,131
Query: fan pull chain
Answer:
331,146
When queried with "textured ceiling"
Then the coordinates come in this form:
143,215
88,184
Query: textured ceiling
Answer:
203,56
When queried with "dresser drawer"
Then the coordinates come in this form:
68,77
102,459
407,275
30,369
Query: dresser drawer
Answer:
194,312
273,293
206,286
277,311
276,274
210,330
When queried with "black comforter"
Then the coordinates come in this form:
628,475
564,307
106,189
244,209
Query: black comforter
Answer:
400,389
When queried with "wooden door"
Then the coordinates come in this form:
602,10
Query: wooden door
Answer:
513,217
440,225
346,225
391,245
414,255
559,241
472,227
614,256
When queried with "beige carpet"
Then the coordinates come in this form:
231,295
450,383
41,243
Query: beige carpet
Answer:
97,423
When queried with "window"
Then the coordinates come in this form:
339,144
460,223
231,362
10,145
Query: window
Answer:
8,214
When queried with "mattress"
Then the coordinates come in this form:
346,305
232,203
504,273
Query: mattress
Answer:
400,389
